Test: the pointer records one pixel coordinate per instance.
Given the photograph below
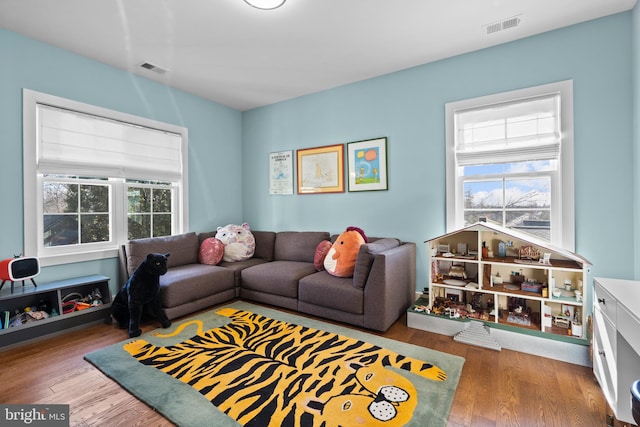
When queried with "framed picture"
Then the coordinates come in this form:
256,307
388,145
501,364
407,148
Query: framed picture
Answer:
453,297
567,311
321,169
367,165
281,172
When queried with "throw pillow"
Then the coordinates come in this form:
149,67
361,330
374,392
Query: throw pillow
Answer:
211,251
321,253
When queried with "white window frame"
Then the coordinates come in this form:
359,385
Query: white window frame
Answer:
154,186
33,181
562,200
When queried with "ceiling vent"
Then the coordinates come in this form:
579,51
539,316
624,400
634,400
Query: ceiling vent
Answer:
154,68
505,24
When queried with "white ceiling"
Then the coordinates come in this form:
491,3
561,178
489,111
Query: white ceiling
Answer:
242,57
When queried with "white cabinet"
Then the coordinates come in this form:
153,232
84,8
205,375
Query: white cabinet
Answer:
502,276
616,341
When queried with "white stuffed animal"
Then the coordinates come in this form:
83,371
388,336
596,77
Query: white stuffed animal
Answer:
238,240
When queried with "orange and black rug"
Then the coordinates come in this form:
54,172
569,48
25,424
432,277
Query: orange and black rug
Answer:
252,366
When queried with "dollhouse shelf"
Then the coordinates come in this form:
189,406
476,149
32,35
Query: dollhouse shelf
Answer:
541,295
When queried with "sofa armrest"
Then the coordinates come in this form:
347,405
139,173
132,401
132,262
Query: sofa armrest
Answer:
391,286
123,273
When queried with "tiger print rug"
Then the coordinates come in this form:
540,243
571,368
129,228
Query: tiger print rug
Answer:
252,366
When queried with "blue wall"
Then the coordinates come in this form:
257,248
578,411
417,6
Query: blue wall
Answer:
408,108
215,164
229,150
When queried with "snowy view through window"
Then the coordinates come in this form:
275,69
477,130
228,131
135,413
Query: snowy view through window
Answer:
515,195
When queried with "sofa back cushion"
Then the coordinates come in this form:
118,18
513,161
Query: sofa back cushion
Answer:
297,245
365,258
264,244
205,235
182,247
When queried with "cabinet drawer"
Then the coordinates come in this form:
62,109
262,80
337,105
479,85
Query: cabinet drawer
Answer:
605,302
604,376
604,360
607,335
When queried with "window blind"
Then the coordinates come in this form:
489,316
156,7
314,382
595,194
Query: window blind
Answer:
70,142
523,130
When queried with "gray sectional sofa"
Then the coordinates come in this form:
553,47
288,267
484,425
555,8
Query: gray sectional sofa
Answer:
282,273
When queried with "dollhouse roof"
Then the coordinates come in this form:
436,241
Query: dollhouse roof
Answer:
517,235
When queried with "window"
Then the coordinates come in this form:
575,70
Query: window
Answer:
95,178
510,161
75,211
149,210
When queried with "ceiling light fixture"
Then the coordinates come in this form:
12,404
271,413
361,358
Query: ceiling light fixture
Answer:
265,4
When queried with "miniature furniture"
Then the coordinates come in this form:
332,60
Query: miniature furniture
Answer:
512,282
616,343
552,291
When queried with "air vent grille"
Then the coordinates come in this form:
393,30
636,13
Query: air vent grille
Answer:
492,28
504,24
510,23
152,67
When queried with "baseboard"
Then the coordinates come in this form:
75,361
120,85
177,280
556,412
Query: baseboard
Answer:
553,349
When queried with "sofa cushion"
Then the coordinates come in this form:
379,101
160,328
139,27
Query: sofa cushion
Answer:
297,245
182,247
276,277
238,266
365,258
325,290
187,283
205,235
264,244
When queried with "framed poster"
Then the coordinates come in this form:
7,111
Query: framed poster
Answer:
321,169
281,172
367,162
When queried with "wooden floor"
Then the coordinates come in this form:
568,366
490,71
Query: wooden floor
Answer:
504,388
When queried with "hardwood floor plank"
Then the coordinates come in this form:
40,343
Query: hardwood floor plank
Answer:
485,380
497,388
79,382
100,406
478,421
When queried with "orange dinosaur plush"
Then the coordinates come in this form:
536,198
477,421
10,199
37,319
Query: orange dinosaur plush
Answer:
341,259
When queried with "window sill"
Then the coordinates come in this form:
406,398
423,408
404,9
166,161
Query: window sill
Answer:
69,258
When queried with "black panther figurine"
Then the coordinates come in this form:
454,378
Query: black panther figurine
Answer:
141,294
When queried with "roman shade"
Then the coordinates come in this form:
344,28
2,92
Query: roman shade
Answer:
522,130
70,142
